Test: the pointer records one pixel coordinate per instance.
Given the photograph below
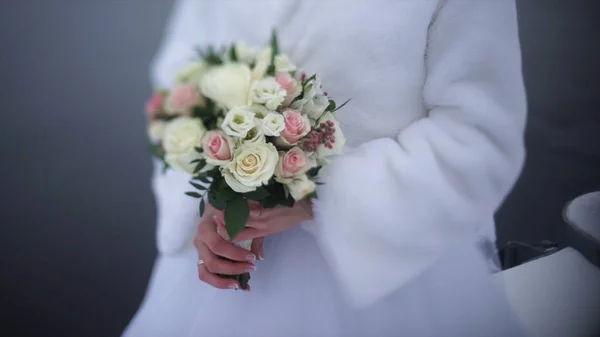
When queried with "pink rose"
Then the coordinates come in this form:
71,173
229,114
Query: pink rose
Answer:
291,163
182,98
296,127
287,82
217,147
154,105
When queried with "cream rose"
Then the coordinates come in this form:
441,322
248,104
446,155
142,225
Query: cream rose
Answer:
301,187
283,64
227,84
273,124
253,165
182,98
268,92
192,73
181,136
238,121
156,130
218,147
339,140
292,163
296,127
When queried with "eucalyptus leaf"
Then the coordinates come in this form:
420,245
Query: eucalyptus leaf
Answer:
193,195
198,186
237,212
202,207
200,166
343,104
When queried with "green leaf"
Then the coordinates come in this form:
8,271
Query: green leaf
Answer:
259,194
287,202
196,161
204,180
199,150
165,168
313,77
313,172
308,87
274,44
157,151
198,186
232,53
331,106
193,195
237,212
226,193
268,203
200,166
341,106
216,202
202,207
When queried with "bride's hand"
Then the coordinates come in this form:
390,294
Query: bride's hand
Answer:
264,222
211,246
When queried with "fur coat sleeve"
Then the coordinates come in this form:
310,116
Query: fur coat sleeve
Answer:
391,207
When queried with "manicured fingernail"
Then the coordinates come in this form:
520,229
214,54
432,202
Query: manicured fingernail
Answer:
250,257
250,269
234,286
260,257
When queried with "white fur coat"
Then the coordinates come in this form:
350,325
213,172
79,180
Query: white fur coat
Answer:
435,126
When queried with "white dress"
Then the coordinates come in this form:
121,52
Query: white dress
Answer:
401,241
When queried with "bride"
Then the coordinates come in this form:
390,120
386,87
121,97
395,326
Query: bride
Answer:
400,240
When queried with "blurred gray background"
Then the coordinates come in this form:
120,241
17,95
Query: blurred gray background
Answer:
77,214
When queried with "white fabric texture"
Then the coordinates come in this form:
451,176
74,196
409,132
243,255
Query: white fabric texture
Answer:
435,142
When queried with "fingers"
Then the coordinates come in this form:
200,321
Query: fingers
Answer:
218,282
218,246
249,233
217,265
258,247
246,234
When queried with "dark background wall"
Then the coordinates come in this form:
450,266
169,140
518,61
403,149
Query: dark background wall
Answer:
76,211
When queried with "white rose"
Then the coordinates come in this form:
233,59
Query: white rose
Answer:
259,110
192,73
268,92
181,136
156,130
314,102
238,122
262,63
273,124
256,134
227,84
253,165
340,139
283,64
301,187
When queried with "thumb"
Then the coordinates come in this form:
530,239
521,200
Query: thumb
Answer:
258,247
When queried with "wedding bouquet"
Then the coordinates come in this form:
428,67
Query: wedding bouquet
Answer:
247,125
